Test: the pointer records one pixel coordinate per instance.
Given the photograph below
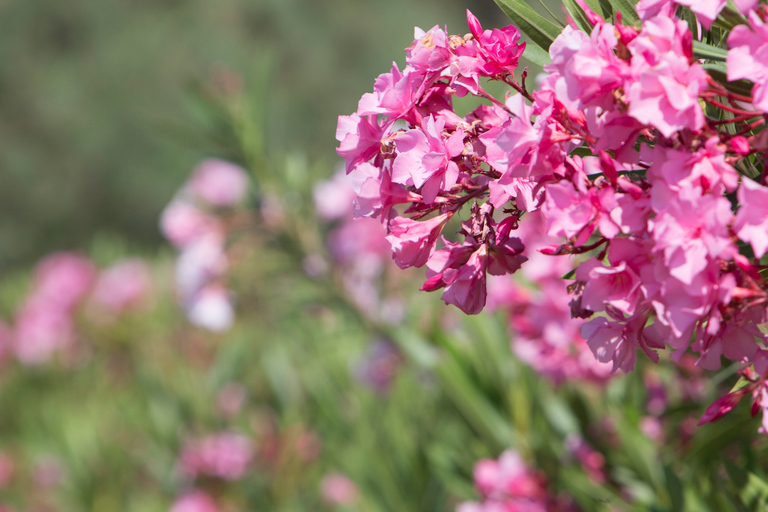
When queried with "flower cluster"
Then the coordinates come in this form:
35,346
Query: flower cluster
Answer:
197,222
64,285
508,485
544,335
635,156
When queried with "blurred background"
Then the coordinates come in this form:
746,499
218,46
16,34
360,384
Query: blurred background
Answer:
97,129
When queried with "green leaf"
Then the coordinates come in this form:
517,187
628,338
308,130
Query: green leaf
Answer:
674,488
605,6
529,22
627,9
536,55
706,51
755,492
578,15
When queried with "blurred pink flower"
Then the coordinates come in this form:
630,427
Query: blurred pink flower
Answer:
194,501
219,183
62,279
125,285
337,489
41,328
48,472
333,197
379,365
225,455
231,398
182,223
211,309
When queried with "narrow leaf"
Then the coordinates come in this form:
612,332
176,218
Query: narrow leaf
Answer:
539,29
578,15
627,10
706,51
536,55
605,6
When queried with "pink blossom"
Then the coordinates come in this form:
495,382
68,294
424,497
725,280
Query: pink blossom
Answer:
125,285
333,197
705,169
379,366
689,241
413,242
424,159
211,308
705,10
360,138
465,286
194,501
666,86
182,223
744,6
225,455
63,279
231,399
587,69
618,340
499,46
40,329
751,223
721,406
199,264
429,51
616,286
337,489
747,58
219,183
568,212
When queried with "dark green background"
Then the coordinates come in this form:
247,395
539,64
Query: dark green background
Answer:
94,118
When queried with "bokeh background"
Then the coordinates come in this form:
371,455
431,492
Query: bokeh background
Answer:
97,129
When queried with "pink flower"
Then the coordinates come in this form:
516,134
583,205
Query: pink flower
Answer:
751,223
499,46
465,286
194,501
360,138
664,92
125,285
616,286
333,197
705,10
231,399
619,340
429,51
379,366
199,264
588,71
63,279
747,58
211,309
40,329
337,489
181,223
721,407
413,242
424,159
219,183
225,455
689,241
